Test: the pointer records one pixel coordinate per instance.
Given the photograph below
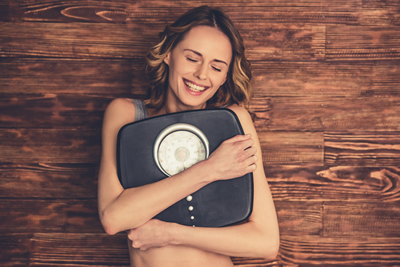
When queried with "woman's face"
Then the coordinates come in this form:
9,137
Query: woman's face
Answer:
198,66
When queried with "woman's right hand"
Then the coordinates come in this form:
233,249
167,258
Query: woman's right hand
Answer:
234,158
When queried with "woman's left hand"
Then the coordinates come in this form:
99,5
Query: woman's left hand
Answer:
153,234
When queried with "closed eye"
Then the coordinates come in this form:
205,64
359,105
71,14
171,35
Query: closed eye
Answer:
216,69
191,59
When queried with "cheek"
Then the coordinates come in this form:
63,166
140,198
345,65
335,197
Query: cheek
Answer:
218,79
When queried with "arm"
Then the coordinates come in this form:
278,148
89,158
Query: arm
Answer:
259,237
122,209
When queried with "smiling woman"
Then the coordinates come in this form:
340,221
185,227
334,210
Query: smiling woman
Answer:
198,67
198,64
236,88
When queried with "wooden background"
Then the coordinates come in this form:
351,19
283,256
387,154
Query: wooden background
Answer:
326,96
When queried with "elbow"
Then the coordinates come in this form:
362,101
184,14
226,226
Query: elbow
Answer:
108,222
270,248
266,246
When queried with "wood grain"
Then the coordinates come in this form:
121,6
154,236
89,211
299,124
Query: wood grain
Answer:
371,43
350,184
299,217
79,250
312,113
345,251
113,77
50,145
46,180
361,219
326,79
75,40
14,249
291,148
52,111
363,149
49,216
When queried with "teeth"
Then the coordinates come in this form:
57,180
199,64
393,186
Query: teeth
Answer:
194,87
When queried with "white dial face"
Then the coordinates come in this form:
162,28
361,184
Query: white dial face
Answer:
180,150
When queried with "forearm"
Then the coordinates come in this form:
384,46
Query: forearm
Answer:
244,240
135,206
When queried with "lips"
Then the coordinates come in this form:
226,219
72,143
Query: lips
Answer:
194,87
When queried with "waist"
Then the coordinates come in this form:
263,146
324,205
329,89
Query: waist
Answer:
177,256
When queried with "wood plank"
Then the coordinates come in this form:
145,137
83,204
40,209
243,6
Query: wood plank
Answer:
336,12
350,184
291,148
79,250
375,12
14,249
114,77
363,148
362,43
326,79
50,145
70,11
354,251
361,219
313,113
76,40
283,41
68,181
299,217
52,111
49,216
122,11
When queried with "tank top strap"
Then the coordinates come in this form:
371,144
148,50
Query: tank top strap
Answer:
140,109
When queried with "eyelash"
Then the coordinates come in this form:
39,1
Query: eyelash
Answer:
193,60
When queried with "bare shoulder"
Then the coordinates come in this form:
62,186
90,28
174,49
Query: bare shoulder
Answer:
244,117
120,111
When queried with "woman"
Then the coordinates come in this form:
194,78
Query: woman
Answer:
198,64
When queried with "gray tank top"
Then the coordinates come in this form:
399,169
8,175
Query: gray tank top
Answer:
140,109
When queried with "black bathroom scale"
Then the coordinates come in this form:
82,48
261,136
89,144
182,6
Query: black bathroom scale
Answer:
155,148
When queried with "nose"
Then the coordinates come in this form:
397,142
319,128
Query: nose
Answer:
201,72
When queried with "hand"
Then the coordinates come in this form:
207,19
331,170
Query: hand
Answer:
234,158
153,234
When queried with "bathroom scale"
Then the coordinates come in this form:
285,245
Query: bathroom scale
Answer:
155,148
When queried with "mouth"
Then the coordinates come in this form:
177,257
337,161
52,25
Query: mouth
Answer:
194,87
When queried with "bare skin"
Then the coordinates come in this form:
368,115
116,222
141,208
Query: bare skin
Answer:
200,60
175,256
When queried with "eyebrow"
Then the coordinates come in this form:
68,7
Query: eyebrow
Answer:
199,54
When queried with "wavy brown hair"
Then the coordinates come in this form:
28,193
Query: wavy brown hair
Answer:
235,90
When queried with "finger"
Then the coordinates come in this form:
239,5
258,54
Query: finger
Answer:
251,160
238,138
245,144
136,244
251,168
251,151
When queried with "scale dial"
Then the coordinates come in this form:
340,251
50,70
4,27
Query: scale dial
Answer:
179,147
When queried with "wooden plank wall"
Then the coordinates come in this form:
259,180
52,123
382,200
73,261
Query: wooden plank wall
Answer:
326,99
